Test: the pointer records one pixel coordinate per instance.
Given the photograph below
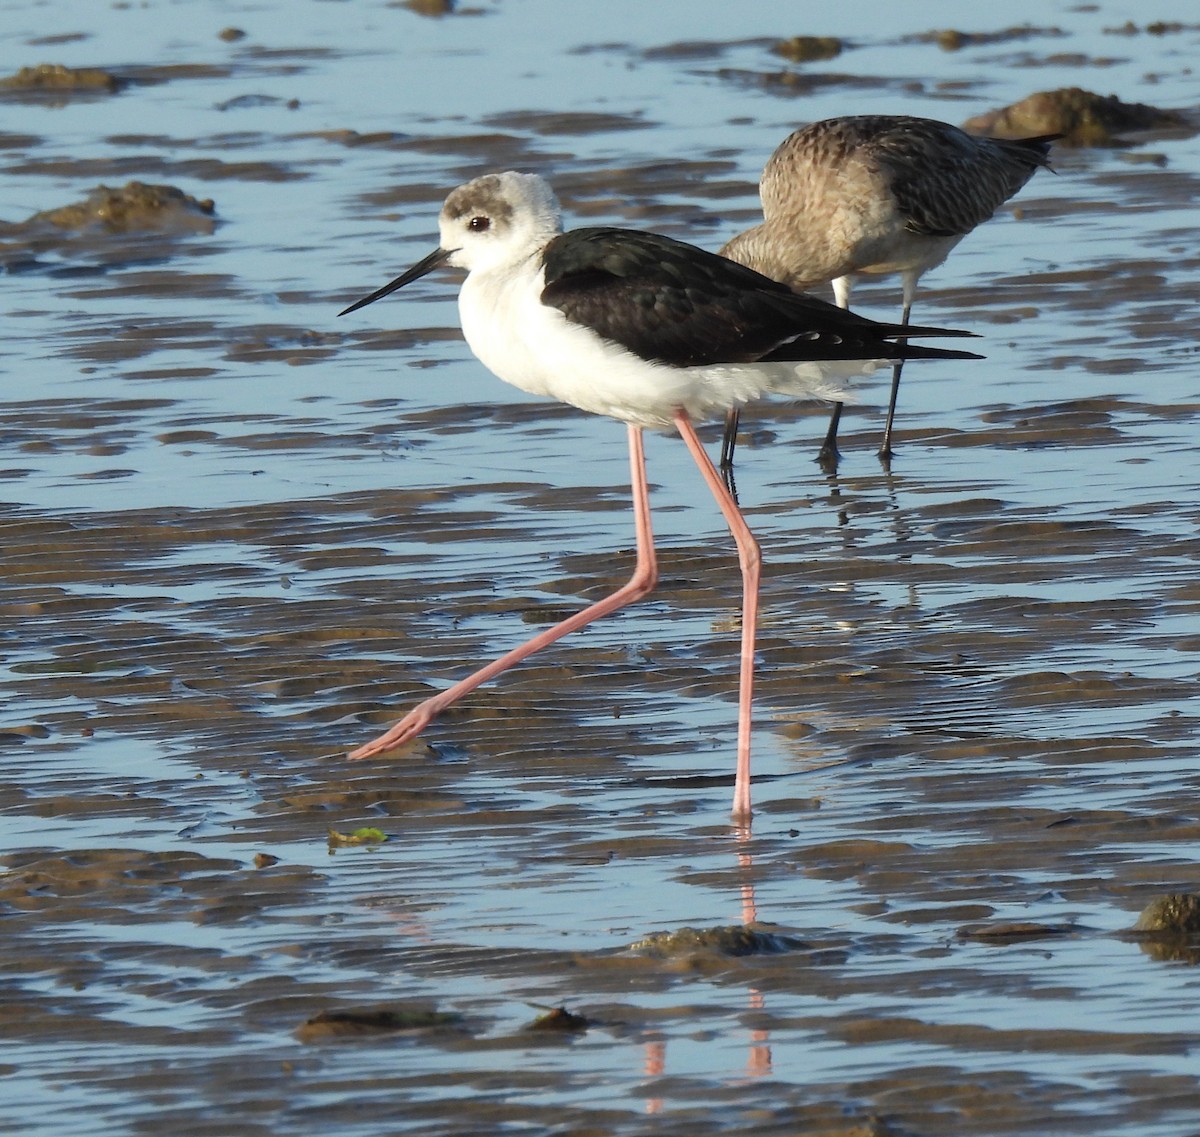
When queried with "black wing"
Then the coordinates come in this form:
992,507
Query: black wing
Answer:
674,303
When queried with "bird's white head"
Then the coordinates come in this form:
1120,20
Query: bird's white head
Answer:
498,219
495,221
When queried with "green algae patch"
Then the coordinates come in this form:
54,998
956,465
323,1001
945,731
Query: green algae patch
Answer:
365,836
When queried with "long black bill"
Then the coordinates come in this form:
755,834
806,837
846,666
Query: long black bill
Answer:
421,268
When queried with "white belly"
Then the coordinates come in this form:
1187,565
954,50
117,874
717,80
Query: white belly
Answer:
536,348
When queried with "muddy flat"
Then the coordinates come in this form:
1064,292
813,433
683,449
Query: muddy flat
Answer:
239,536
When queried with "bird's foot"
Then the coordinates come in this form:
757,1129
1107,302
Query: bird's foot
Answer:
405,730
828,459
885,457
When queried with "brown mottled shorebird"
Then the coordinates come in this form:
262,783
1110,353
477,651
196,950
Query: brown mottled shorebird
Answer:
875,194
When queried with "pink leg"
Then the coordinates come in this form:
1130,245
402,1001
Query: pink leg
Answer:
751,561
645,576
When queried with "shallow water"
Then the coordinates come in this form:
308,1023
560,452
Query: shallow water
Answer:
240,535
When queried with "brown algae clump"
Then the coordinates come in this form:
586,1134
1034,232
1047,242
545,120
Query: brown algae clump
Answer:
1176,914
1081,117
133,207
561,1020
1168,928
951,39
357,1022
1013,932
807,49
732,940
56,77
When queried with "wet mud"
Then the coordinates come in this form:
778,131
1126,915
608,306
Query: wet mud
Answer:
239,536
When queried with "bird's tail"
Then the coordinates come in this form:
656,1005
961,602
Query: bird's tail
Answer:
905,350
1035,150
849,347
917,331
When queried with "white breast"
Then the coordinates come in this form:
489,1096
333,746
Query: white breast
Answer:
535,347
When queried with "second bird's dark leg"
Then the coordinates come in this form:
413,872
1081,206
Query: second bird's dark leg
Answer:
728,445
729,442
885,447
828,456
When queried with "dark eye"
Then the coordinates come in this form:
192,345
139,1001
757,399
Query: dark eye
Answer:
479,224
